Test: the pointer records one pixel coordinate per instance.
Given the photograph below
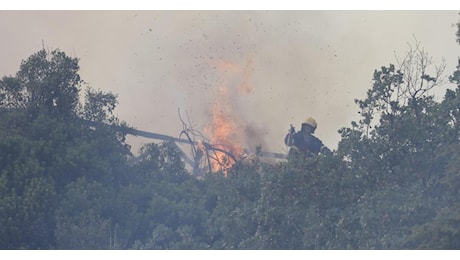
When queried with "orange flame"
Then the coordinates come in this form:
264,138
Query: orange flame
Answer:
223,132
200,146
226,130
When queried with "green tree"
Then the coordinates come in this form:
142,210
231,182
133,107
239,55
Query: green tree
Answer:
99,106
230,202
169,201
83,218
47,146
47,82
398,151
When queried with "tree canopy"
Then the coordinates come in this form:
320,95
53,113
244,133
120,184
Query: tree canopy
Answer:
68,179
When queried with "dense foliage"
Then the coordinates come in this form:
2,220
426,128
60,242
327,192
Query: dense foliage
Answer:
69,181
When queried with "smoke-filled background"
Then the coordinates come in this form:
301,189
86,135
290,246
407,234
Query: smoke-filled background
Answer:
268,69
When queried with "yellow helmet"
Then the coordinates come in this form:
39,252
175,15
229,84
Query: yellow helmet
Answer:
310,121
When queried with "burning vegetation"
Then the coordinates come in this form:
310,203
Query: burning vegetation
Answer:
227,133
226,129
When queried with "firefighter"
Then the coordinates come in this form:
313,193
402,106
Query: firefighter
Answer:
303,143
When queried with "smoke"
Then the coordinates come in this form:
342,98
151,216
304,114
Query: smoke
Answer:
287,65
228,122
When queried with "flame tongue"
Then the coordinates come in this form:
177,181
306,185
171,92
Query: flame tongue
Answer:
224,133
226,129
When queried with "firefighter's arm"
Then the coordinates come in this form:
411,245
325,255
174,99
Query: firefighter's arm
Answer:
289,139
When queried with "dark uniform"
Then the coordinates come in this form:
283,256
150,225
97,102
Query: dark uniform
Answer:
303,144
309,144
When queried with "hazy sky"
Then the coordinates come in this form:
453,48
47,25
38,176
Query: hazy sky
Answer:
296,63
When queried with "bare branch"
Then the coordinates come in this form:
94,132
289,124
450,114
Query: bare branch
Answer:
417,69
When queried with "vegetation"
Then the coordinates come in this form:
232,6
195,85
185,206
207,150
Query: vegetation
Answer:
69,181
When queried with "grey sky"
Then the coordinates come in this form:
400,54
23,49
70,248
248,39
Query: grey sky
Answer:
298,63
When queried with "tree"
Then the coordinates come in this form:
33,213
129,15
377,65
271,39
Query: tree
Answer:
46,81
46,146
99,106
69,181
398,150
83,219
